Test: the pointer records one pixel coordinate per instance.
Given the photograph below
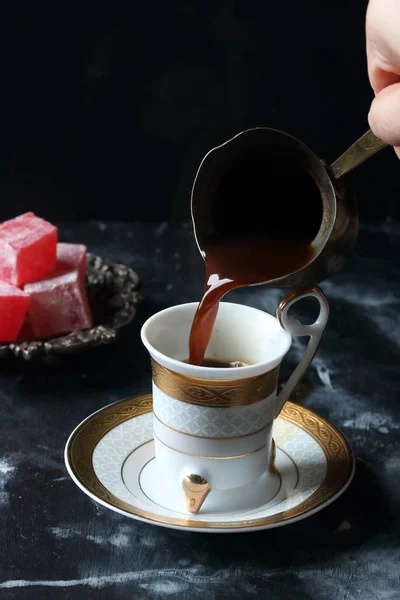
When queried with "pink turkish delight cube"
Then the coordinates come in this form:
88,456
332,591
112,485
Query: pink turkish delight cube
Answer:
72,256
58,304
27,249
25,333
13,307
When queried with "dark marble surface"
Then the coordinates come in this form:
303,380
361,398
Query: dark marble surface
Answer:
57,543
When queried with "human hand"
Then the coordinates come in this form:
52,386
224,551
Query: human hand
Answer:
383,57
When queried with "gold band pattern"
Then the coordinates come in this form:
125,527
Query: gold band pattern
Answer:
214,393
339,456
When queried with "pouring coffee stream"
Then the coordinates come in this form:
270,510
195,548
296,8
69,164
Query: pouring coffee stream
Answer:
267,210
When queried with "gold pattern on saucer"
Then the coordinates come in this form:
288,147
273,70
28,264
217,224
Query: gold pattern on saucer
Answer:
196,490
83,441
214,393
272,469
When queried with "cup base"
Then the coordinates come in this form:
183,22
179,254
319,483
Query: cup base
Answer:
168,492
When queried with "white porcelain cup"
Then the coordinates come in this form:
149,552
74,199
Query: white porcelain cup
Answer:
213,426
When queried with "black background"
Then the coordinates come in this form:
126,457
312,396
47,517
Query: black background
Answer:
108,109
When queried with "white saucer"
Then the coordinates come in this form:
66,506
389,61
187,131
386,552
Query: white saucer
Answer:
110,456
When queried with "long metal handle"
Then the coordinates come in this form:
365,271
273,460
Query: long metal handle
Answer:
360,151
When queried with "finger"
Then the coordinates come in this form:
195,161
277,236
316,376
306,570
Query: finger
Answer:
384,115
383,43
380,73
381,79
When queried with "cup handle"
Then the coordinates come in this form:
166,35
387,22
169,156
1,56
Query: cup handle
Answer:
294,327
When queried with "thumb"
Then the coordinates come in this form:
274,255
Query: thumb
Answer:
384,115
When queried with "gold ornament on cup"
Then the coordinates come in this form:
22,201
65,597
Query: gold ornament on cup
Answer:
196,490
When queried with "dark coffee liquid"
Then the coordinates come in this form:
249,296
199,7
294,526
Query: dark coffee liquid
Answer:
256,240
215,363
222,364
